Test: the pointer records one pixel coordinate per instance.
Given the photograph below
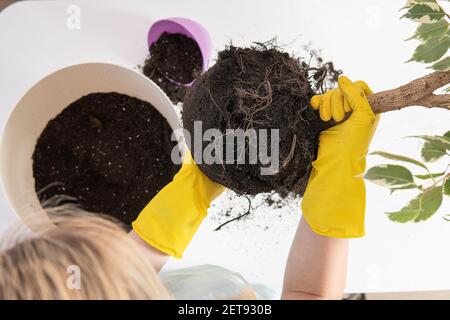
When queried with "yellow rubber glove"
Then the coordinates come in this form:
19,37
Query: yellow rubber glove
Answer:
172,217
335,198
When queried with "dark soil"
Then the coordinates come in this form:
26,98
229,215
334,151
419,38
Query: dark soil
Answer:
261,88
109,151
173,57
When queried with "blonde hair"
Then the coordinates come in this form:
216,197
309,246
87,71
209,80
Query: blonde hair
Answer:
78,256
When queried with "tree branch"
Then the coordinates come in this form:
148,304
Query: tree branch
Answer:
418,92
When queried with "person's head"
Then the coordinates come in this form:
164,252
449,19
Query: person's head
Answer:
81,256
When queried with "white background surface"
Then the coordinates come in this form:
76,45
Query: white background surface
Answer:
364,38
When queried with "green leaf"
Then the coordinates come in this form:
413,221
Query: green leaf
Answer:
446,186
431,201
407,213
411,3
430,30
435,147
442,65
432,50
392,156
390,175
420,208
425,12
443,141
432,152
429,176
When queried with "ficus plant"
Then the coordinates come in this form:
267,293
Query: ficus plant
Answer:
434,36
433,33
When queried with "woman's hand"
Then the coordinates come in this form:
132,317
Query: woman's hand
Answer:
172,217
334,201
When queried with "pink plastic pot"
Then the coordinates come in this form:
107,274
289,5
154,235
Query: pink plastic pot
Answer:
185,27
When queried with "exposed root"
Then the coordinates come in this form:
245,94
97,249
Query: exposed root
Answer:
259,88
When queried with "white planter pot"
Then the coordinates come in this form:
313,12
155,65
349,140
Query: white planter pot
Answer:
47,99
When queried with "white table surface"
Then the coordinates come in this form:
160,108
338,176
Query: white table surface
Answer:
364,38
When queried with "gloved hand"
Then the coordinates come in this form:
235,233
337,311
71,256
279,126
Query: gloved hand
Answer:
335,197
172,217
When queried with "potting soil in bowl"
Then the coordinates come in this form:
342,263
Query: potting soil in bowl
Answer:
173,61
108,152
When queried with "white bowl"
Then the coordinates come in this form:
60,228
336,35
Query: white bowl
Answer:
47,99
